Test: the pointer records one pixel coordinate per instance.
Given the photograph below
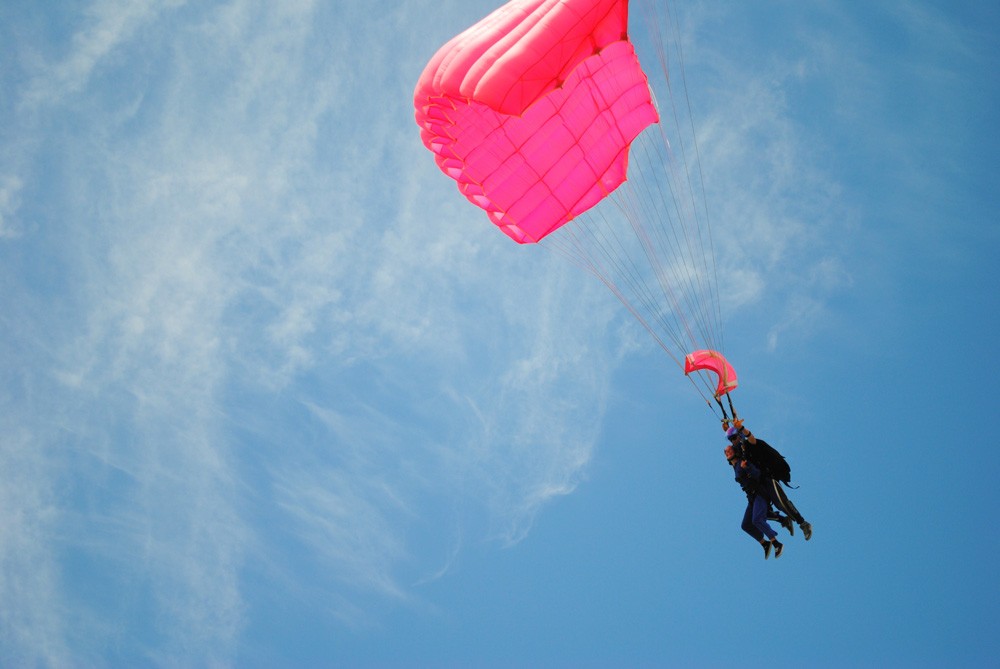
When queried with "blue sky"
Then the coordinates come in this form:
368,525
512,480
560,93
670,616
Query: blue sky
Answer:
274,394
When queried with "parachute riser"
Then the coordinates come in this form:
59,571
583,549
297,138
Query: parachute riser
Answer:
725,416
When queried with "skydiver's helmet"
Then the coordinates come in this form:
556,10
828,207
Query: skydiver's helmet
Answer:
732,433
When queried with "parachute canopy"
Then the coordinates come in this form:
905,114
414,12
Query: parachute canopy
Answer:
532,110
542,110
714,362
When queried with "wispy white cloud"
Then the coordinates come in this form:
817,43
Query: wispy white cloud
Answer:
154,269
773,206
271,335
34,628
105,26
276,342
10,187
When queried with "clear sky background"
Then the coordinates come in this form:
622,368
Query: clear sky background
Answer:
272,393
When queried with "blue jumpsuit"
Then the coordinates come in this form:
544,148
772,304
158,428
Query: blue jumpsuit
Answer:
758,502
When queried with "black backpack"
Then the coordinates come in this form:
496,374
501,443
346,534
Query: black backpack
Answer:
769,461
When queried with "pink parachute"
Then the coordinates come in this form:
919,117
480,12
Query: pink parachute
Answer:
714,362
540,111
532,110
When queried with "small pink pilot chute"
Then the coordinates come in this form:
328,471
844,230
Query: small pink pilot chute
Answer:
532,110
713,362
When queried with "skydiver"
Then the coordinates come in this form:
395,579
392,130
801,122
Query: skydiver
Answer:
758,503
745,442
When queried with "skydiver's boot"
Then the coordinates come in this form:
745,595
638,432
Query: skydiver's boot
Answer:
778,547
786,523
767,548
807,530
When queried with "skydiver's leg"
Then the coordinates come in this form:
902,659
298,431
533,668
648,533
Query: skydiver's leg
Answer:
750,528
780,500
784,521
748,525
759,508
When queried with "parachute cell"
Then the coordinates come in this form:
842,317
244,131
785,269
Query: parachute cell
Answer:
532,110
714,362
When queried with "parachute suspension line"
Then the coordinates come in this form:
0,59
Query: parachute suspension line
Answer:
617,291
663,54
661,48
704,194
662,23
570,246
646,209
664,271
695,237
652,238
596,245
701,285
574,252
664,247
599,250
636,210
539,169
574,249
653,250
